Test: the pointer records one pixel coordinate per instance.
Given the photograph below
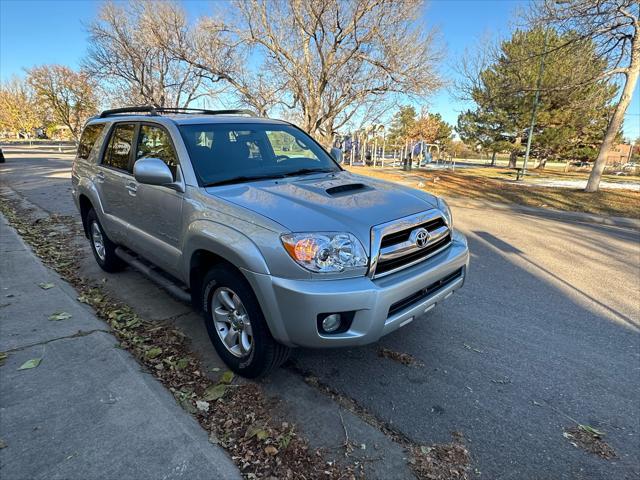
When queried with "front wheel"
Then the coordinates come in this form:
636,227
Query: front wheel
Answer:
236,325
104,250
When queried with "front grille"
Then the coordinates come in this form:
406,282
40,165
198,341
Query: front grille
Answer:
403,235
420,295
403,242
385,266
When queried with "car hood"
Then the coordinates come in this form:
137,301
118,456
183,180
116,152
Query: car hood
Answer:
340,201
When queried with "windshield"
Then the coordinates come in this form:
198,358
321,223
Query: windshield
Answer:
230,153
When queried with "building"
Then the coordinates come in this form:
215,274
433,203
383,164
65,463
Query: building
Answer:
619,154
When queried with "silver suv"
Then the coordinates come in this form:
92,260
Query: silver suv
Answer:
272,239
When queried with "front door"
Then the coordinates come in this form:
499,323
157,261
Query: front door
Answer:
156,219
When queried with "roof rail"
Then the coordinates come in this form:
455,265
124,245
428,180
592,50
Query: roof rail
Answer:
152,110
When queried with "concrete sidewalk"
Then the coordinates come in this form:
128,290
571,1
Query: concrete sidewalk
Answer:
87,411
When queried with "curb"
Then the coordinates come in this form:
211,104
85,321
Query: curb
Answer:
624,222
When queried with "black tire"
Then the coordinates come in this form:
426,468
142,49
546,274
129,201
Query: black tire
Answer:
266,354
108,261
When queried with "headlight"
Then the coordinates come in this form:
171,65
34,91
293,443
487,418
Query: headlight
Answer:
446,212
325,252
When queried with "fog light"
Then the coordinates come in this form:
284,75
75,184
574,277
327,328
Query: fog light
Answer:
331,323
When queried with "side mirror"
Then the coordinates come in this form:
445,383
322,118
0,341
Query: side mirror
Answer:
336,153
152,171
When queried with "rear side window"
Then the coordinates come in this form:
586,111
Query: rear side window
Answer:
155,142
119,148
88,139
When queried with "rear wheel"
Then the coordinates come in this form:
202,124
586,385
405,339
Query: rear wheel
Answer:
236,325
104,250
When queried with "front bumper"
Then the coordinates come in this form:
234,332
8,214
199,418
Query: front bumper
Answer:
291,307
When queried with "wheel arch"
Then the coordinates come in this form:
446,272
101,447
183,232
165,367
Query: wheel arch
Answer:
209,244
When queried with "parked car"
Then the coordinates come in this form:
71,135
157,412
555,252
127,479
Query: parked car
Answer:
277,250
579,163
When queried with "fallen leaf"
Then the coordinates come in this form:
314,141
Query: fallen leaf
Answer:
257,431
271,450
589,429
214,392
46,286
182,363
188,405
57,316
33,363
3,444
227,377
153,352
3,357
202,406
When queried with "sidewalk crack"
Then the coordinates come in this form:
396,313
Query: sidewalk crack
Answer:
79,333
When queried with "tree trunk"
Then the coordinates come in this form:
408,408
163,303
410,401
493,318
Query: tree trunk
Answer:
493,159
513,156
618,116
542,163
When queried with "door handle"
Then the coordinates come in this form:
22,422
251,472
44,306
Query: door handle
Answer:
100,177
133,188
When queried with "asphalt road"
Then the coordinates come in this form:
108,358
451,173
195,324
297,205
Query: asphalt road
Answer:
545,333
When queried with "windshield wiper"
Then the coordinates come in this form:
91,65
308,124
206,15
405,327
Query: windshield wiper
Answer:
243,178
304,171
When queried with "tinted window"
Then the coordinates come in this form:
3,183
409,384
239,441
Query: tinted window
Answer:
119,148
155,142
88,139
221,153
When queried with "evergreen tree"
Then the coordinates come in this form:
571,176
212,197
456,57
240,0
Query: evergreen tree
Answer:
573,110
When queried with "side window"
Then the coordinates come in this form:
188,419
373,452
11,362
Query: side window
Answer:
119,148
155,142
88,139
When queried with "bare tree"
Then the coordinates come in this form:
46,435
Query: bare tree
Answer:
326,59
67,94
18,108
125,54
613,26
337,57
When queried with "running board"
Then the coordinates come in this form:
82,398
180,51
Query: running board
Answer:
154,276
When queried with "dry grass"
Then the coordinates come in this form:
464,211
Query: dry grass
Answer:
499,185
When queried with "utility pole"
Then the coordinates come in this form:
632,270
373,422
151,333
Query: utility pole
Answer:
535,101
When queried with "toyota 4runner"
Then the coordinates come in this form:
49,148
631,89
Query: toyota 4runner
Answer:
269,236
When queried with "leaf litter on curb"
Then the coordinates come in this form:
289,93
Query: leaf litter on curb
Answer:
589,439
403,358
435,462
449,461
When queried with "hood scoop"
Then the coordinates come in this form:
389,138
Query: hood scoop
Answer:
346,189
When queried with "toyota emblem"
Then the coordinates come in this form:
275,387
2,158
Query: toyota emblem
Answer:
421,237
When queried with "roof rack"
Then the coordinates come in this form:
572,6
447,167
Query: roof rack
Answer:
153,111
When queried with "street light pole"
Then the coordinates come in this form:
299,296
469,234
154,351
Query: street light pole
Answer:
535,101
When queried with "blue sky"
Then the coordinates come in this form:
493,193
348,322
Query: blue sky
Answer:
34,32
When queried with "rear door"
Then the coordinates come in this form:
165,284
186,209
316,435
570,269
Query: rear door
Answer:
156,215
112,177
